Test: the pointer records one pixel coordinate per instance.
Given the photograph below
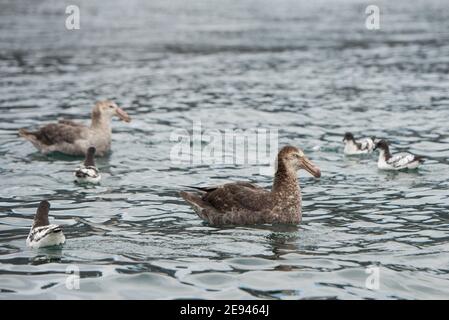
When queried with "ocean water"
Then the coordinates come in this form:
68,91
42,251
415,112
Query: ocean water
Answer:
310,71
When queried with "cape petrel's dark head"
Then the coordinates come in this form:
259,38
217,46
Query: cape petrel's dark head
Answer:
348,137
41,217
382,145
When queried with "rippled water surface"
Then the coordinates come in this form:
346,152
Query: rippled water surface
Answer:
311,71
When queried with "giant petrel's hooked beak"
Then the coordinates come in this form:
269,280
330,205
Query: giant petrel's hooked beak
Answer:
122,114
310,167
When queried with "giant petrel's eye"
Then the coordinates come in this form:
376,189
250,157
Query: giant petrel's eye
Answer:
111,106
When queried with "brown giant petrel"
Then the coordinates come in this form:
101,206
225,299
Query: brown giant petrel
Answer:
242,203
74,138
